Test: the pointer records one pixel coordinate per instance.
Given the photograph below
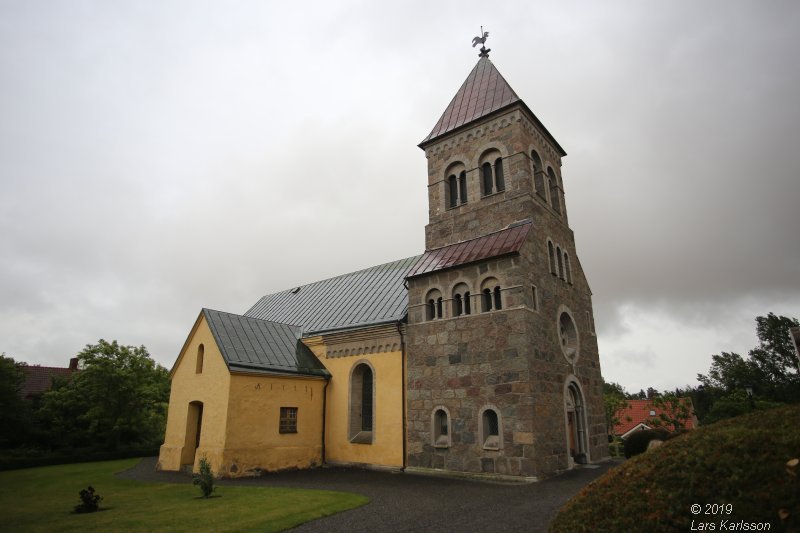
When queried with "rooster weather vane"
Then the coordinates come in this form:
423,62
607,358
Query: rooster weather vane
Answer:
481,39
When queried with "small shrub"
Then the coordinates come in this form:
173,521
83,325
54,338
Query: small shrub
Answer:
205,478
637,442
90,501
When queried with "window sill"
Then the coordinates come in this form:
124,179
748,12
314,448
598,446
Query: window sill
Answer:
441,442
362,437
492,443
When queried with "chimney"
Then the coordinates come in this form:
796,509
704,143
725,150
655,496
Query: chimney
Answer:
73,363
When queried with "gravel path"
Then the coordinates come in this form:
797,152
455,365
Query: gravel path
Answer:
408,502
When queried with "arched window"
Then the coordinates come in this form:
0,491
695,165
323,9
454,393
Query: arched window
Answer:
567,269
462,187
201,350
499,179
441,429
362,403
461,304
560,262
456,185
538,174
554,196
552,255
486,300
490,295
433,305
452,189
488,179
490,429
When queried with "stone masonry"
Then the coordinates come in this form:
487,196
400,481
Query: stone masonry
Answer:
519,361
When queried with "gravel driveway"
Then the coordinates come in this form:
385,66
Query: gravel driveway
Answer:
409,502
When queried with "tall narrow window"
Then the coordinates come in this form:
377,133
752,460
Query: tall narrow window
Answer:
201,350
288,421
535,296
441,429
452,190
430,310
538,174
362,404
458,305
552,255
567,269
366,401
462,187
439,307
467,304
499,179
554,195
490,429
560,263
486,300
487,178
498,303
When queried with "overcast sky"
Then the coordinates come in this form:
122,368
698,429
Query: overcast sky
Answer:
158,157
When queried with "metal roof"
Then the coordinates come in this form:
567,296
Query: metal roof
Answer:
250,344
371,296
483,92
501,242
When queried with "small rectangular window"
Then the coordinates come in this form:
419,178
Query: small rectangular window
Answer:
288,420
535,295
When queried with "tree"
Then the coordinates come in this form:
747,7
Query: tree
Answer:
13,408
614,402
119,397
770,372
674,413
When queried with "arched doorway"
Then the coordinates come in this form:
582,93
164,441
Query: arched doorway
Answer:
194,426
576,424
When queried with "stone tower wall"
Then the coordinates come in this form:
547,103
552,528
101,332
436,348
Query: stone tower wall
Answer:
510,360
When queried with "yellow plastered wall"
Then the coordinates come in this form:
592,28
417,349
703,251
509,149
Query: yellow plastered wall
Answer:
211,387
253,440
386,448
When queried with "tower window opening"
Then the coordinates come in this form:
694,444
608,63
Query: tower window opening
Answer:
452,189
498,303
487,178
499,179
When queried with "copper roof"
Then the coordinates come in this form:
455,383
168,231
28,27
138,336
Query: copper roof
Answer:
483,92
495,244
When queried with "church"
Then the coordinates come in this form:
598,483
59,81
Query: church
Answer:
478,357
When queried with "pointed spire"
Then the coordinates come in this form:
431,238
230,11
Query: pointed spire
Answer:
483,92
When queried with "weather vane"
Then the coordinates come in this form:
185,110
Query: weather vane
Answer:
481,39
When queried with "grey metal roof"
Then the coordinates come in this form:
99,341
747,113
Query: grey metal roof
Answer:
371,296
250,344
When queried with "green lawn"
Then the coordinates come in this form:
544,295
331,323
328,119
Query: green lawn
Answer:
42,499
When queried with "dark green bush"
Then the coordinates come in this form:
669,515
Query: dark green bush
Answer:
637,443
30,458
205,478
90,501
746,462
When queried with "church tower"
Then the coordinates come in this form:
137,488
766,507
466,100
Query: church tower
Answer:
503,374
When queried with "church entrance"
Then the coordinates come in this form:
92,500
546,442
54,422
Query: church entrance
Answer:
194,426
576,425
